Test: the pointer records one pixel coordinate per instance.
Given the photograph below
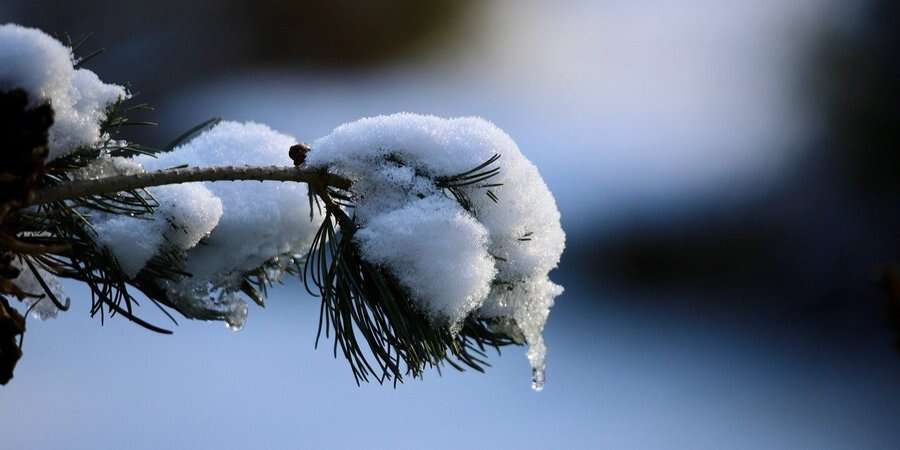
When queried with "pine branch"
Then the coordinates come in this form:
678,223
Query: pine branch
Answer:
375,323
109,185
46,228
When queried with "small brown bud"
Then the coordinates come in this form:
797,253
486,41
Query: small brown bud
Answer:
298,153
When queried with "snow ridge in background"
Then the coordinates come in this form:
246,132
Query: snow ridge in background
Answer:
493,262
44,68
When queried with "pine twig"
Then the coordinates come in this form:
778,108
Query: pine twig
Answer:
108,185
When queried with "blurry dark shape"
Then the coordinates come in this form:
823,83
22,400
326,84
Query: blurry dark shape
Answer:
347,32
890,282
860,87
24,133
715,253
811,239
794,258
859,82
12,325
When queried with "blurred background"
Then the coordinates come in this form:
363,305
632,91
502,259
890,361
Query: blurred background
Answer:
727,173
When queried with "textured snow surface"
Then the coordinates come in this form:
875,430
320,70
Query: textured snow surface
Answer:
43,67
186,214
436,250
259,223
243,225
260,220
493,262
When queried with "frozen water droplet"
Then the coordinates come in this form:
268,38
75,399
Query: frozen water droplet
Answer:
537,379
237,317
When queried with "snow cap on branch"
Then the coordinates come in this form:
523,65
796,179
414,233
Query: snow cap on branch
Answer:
45,69
186,213
490,258
260,220
262,224
244,226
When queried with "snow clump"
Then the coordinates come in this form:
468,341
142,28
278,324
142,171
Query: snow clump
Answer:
243,226
45,69
491,260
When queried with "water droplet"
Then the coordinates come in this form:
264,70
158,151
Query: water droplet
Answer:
537,379
237,317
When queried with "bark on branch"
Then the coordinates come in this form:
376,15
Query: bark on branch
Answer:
119,183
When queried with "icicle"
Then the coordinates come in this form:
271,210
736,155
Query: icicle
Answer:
538,378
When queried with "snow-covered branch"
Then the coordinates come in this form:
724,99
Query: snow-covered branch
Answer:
119,183
426,239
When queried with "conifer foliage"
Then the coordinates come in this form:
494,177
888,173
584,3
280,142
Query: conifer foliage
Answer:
427,241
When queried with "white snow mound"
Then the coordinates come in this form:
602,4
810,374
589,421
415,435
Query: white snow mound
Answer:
44,68
492,260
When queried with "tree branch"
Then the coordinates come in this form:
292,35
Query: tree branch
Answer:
119,183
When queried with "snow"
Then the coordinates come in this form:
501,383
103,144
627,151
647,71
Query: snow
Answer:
44,68
42,308
261,223
222,230
132,241
186,214
442,253
192,211
491,260
261,220
437,251
107,166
